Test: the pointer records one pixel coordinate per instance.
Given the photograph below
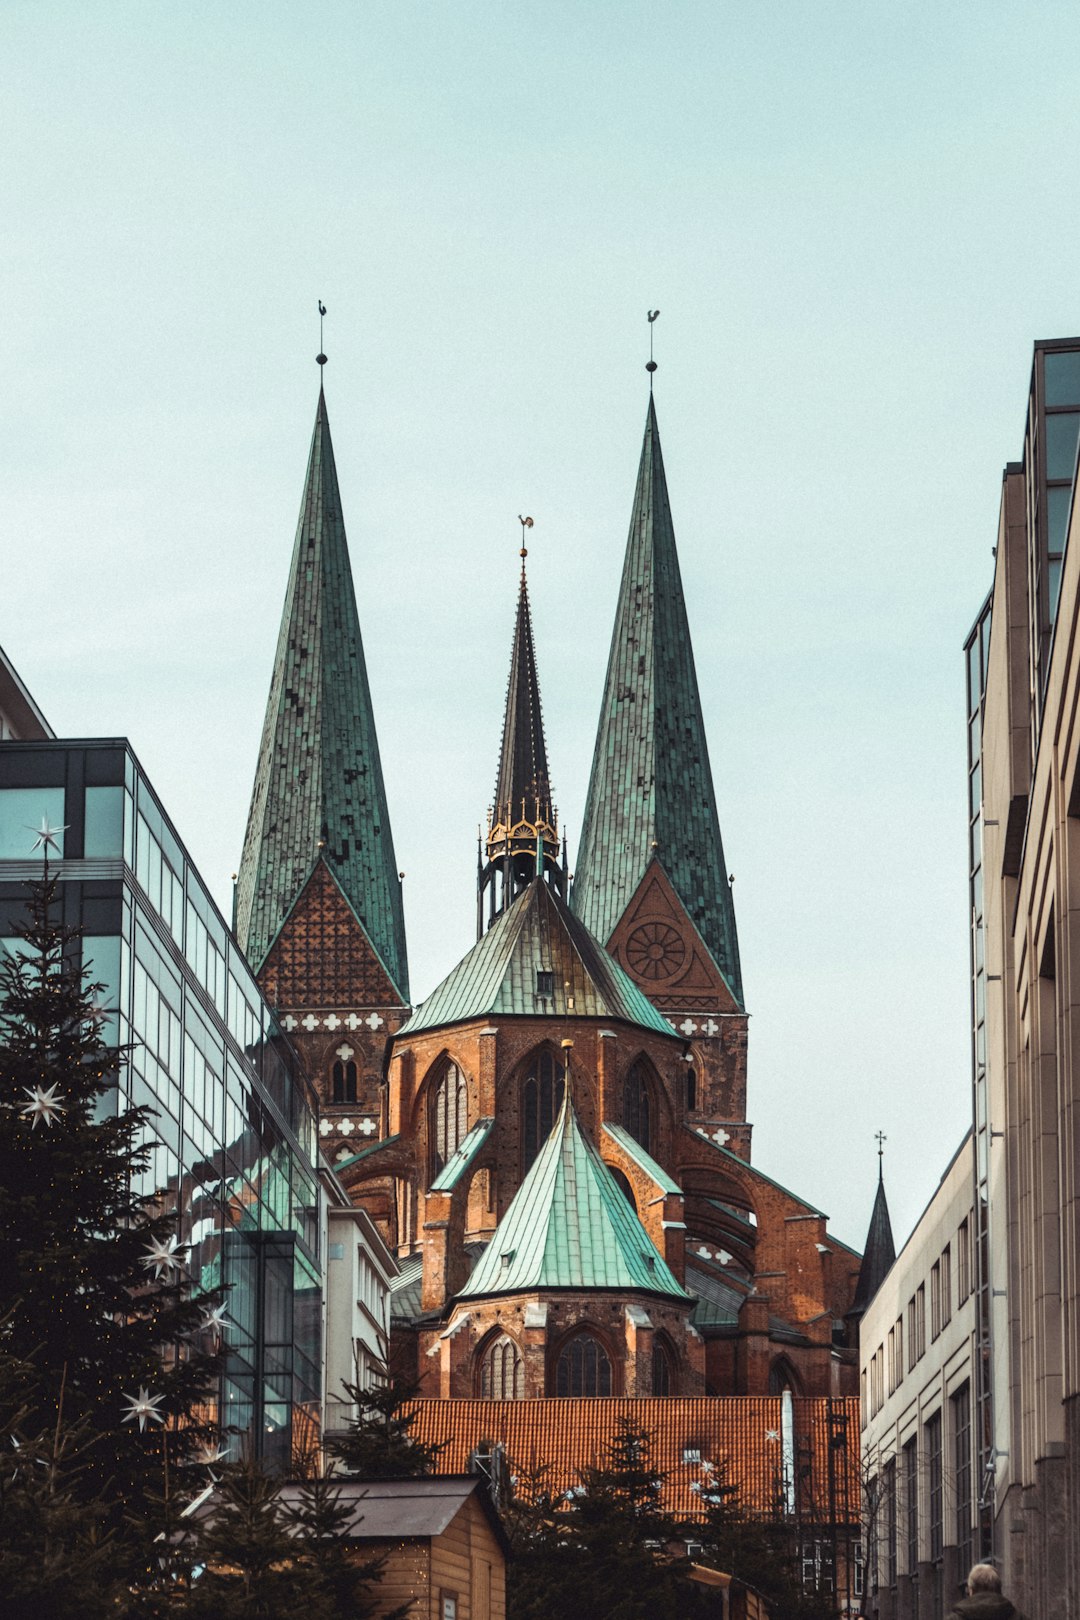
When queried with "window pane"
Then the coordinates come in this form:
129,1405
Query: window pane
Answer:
104,822
1053,584
1057,514
1061,433
1062,378
22,810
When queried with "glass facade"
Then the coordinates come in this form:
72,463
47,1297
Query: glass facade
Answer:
1050,448
234,1144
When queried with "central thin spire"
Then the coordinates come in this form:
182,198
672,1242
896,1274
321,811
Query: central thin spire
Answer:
522,837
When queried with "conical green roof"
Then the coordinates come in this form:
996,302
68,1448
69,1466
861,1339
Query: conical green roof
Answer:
537,934
319,784
651,790
570,1225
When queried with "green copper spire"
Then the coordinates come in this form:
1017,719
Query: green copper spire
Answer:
651,791
319,786
570,1225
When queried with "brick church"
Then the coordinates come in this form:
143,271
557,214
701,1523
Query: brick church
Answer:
555,1142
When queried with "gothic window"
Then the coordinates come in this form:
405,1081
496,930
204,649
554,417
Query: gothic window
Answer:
636,1104
541,1099
663,1377
502,1372
781,1377
583,1368
450,1115
344,1082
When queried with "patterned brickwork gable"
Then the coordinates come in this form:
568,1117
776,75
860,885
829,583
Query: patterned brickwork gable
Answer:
322,956
657,944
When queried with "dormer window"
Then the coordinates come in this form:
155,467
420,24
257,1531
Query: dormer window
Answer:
545,983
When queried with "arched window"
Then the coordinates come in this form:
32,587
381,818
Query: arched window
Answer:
583,1368
344,1081
636,1104
450,1115
781,1376
691,1085
541,1099
502,1372
663,1375
623,1183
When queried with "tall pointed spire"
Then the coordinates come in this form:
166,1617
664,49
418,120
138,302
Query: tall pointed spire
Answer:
319,791
522,840
651,793
880,1251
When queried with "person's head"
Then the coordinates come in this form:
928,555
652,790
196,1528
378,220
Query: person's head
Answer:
983,1578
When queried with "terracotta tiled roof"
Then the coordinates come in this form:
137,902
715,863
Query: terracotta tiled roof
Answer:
743,1432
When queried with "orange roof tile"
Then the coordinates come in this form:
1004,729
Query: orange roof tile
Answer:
743,1432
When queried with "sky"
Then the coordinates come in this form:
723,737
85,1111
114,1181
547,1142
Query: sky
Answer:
855,220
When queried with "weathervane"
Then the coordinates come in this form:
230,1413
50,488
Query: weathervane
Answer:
320,358
526,523
651,367
881,1139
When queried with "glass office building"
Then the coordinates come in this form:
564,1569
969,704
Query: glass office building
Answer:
235,1140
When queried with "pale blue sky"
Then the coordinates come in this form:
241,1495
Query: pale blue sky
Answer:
855,220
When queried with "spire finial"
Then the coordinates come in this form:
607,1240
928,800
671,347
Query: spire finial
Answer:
320,358
526,523
881,1139
651,367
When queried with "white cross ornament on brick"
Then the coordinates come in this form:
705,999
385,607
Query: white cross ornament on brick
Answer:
345,1126
288,1023
373,1022
353,1022
712,1027
325,1127
310,1022
368,1126
688,1026
333,1022
721,1136
344,1052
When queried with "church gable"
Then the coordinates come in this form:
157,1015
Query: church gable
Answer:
322,957
657,944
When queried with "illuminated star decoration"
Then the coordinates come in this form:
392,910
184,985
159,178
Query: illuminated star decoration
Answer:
206,1454
162,1258
214,1320
42,1105
772,1434
46,837
143,1406
98,1013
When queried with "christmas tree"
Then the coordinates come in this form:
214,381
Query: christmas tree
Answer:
378,1443
114,1347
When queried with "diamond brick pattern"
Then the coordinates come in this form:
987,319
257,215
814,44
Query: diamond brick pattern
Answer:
322,957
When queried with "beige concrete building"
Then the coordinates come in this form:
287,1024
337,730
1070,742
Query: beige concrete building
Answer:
917,1353
1024,770
20,718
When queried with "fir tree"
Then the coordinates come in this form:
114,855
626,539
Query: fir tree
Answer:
378,1443
607,1549
93,1291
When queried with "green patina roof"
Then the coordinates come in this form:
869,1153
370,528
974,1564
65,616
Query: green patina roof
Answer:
537,933
319,779
462,1156
631,1146
651,790
570,1225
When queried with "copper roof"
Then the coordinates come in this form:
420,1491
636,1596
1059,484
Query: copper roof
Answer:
651,790
499,975
741,1433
